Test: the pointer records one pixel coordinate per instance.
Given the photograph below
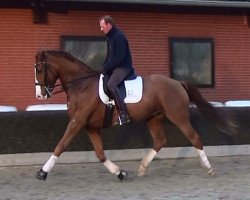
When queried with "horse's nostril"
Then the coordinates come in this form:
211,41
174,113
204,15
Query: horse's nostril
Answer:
39,97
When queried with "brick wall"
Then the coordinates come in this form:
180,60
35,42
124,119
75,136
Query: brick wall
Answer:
148,34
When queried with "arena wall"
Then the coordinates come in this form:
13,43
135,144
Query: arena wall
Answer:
40,131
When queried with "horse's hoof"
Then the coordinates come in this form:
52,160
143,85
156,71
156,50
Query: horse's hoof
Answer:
41,175
211,172
141,171
122,175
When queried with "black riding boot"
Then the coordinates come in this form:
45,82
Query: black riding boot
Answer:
121,107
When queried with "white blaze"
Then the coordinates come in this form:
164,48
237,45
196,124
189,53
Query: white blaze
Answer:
39,90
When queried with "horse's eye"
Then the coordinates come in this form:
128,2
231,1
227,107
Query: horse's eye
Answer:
39,71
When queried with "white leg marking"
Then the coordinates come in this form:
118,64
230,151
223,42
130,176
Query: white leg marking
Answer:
203,158
50,164
205,163
146,161
114,169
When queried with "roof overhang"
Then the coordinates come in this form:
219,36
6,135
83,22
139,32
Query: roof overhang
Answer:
41,7
199,3
204,3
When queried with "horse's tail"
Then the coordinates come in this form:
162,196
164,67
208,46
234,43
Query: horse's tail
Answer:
223,120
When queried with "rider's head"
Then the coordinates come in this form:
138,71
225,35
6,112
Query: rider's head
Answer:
106,23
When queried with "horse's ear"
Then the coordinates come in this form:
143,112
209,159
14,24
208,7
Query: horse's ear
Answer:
43,54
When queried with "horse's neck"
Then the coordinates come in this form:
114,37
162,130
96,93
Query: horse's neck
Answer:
71,70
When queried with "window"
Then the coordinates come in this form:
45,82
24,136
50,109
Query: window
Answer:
192,59
90,50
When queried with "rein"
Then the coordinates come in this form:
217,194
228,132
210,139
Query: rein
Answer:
72,83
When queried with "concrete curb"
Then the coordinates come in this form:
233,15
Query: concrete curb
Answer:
121,155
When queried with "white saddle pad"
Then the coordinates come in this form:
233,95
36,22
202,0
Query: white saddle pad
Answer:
133,91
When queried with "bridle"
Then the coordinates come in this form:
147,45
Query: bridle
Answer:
49,87
47,83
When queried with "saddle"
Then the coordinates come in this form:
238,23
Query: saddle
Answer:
132,91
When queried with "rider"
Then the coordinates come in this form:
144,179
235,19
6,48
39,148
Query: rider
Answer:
118,63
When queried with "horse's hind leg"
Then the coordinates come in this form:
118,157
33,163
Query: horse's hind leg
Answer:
195,139
182,121
156,129
95,138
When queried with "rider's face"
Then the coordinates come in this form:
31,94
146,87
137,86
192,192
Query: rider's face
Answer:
105,27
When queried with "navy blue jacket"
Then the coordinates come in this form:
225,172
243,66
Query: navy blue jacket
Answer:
118,54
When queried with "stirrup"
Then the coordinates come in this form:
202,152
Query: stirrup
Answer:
124,119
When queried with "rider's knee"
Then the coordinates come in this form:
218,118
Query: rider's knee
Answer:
110,86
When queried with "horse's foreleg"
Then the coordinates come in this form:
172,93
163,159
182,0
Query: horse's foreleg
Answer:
96,141
157,132
70,133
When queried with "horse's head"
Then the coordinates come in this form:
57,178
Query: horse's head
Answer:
44,77
51,65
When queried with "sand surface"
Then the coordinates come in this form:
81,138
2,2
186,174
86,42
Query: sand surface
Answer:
165,179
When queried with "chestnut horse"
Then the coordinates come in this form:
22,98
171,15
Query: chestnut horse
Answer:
162,98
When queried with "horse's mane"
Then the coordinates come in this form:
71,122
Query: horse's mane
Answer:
70,57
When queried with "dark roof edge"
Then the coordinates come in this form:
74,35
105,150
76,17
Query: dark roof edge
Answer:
208,3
